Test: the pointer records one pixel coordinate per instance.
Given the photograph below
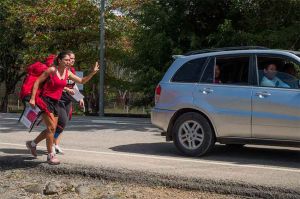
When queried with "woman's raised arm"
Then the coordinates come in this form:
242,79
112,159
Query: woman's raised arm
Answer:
86,78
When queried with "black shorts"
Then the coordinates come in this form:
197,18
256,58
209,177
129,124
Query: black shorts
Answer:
52,105
63,115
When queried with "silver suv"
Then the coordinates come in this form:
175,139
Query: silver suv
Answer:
235,96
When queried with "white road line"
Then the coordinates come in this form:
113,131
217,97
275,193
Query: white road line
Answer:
169,158
10,118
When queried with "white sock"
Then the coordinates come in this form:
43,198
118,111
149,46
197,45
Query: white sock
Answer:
53,149
33,144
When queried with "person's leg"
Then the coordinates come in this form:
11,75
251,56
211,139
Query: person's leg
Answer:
40,137
62,122
31,145
51,126
58,133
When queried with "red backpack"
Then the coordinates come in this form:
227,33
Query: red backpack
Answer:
33,72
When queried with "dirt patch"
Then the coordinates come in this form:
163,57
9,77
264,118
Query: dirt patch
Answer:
31,183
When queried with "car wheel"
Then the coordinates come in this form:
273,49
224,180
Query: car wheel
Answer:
193,135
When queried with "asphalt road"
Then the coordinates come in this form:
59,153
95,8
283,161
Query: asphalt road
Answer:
136,145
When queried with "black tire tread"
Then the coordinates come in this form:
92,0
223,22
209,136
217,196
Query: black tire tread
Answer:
209,137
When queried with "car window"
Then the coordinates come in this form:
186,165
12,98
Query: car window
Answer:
227,70
190,72
278,72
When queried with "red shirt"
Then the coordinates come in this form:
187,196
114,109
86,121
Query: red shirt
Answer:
54,86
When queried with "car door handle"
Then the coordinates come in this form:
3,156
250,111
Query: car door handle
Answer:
207,91
263,94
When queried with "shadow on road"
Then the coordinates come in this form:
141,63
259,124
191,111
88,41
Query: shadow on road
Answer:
21,151
247,155
17,162
25,160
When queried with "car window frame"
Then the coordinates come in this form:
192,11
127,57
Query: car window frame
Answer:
272,55
251,68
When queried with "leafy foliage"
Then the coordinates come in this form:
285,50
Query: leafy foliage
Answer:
141,35
167,27
32,29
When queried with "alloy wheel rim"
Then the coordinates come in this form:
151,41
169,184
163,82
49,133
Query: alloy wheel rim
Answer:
191,135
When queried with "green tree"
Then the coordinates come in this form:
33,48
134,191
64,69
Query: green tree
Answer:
11,46
167,27
274,24
33,29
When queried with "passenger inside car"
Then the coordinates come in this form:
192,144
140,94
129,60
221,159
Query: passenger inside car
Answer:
217,79
270,78
289,75
233,70
290,69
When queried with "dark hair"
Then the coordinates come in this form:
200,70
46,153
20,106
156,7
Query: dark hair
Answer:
70,52
60,56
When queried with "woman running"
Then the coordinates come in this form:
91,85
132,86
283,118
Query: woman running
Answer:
47,101
65,103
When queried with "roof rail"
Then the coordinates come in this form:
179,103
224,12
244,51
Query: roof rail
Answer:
226,49
176,56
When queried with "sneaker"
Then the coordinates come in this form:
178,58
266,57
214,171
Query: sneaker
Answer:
52,159
58,149
31,149
53,149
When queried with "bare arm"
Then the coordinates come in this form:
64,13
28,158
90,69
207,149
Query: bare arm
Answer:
37,83
86,78
69,90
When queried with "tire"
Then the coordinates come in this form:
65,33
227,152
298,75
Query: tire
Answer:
196,141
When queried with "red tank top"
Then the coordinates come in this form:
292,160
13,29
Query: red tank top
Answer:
53,88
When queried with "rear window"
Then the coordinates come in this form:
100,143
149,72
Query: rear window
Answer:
190,72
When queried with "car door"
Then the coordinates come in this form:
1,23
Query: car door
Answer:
227,98
276,108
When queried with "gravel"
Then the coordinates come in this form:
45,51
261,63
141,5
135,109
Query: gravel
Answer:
32,179
32,183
